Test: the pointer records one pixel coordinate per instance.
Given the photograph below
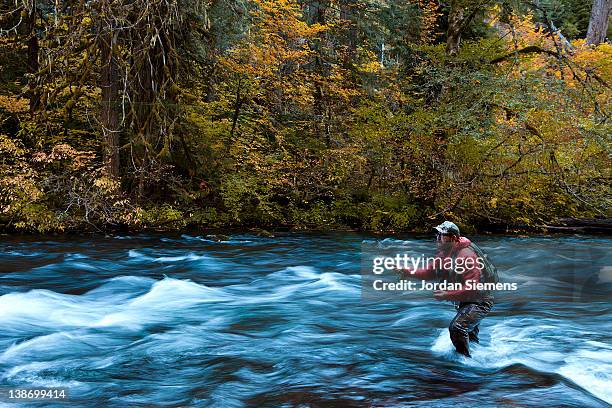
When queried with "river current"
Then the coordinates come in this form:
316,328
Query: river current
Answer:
246,321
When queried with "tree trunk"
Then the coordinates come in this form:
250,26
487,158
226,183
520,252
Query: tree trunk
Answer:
455,26
598,23
319,97
348,10
109,115
32,60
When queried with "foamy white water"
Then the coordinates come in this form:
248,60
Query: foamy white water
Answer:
247,321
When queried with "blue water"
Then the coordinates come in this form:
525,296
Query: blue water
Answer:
280,322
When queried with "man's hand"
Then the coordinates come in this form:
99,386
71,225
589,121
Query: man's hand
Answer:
401,271
406,271
439,294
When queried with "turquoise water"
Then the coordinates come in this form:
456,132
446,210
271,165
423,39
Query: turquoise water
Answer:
280,322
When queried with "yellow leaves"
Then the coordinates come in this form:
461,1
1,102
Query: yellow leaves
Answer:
369,63
596,60
281,20
78,158
62,151
527,33
430,13
19,187
14,104
579,67
75,159
522,32
40,157
107,185
9,147
493,16
278,37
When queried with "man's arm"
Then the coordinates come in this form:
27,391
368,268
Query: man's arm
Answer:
421,273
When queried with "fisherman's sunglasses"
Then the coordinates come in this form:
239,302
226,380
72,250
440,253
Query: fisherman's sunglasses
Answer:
439,236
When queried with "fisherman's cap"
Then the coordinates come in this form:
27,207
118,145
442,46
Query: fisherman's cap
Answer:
448,228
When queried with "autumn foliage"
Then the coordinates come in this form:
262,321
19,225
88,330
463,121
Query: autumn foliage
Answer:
270,113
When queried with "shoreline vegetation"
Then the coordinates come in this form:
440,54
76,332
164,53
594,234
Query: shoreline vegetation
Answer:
564,227
267,115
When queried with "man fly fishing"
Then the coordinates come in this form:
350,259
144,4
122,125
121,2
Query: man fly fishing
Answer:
472,304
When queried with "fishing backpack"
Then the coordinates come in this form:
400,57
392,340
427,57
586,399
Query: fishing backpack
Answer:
489,272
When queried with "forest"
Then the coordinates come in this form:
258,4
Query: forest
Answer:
376,115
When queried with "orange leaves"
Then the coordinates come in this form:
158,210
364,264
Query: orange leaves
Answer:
65,153
271,62
527,33
284,18
429,20
579,66
13,104
595,60
278,37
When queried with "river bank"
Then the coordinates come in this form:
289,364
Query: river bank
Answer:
588,226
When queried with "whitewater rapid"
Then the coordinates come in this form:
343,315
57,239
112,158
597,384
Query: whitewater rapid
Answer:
190,321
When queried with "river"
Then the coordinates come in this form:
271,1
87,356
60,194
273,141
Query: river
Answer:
186,320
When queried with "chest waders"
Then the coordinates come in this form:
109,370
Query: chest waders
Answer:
464,328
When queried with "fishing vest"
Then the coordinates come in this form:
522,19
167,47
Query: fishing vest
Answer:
488,274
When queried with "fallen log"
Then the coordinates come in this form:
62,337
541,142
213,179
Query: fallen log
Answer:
586,225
